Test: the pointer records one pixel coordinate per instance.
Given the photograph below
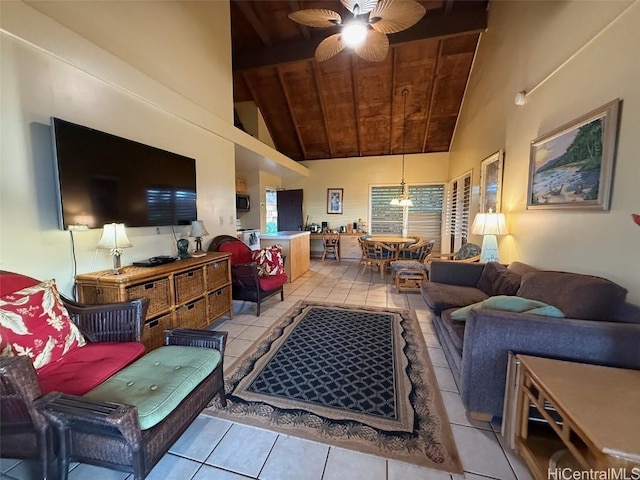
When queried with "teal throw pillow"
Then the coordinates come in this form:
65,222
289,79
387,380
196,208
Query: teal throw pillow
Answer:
509,303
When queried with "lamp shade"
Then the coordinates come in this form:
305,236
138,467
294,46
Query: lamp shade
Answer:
114,237
197,229
489,224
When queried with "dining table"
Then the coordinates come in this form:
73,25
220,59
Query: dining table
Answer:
389,240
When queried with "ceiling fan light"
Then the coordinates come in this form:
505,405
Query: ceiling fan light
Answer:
354,34
395,201
406,202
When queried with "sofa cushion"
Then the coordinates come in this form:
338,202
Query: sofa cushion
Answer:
35,323
578,296
496,279
442,296
455,328
157,383
85,368
521,268
269,260
509,303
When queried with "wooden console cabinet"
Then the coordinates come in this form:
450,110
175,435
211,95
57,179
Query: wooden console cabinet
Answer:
188,293
582,417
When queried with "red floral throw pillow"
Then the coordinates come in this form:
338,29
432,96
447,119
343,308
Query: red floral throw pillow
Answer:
34,322
269,260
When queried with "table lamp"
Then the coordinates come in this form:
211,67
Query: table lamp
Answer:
198,231
114,238
489,225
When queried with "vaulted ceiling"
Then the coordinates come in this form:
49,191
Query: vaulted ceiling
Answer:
346,106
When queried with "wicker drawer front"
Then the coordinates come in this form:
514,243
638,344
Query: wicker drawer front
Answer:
189,285
217,274
98,294
192,315
218,302
153,331
158,293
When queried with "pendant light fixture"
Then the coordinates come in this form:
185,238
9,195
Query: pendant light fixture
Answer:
403,200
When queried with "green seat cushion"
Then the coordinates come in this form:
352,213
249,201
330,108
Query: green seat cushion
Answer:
509,303
156,383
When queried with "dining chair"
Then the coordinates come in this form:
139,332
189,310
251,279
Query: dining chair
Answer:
331,245
379,255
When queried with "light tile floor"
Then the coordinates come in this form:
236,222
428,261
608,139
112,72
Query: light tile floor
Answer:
214,449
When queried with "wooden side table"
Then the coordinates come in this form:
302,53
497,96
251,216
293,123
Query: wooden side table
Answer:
591,412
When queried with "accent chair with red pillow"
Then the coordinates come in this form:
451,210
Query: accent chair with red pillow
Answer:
253,282
50,343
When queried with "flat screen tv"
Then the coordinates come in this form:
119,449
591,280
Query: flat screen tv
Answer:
103,178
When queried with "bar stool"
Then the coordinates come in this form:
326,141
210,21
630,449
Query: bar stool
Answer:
331,245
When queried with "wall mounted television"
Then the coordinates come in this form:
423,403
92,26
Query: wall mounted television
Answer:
103,178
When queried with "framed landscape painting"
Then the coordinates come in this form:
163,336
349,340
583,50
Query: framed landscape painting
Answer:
334,200
572,166
491,182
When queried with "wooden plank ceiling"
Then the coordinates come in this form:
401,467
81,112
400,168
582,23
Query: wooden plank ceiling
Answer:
346,106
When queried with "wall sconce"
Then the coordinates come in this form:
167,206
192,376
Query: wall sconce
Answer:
114,238
489,225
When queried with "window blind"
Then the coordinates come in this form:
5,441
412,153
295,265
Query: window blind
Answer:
424,218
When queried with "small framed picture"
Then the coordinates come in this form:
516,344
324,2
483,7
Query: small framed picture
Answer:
571,167
491,183
334,200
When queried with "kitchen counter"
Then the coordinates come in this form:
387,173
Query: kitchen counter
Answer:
284,235
295,245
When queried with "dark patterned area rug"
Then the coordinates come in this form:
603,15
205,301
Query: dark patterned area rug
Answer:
354,377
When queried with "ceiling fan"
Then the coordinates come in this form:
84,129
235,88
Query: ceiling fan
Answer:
367,31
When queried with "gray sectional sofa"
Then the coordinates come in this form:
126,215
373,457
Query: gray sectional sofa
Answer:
598,327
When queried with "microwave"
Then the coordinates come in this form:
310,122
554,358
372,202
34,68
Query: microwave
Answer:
243,202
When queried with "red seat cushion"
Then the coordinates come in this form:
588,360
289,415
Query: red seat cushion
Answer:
240,253
84,368
271,282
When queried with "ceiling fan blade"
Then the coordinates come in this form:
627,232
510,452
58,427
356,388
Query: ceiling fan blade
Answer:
391,16
329,47
364,6
375,48
316,17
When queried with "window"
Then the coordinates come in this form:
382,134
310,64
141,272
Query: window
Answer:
457,206
424,218
272,210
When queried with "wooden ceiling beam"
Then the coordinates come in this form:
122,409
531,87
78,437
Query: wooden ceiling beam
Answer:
430,26
323,108
296,124
432,94
254,21
356,100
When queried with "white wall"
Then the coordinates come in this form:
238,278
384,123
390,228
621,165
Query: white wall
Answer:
184,45
597,60
47,70
355,175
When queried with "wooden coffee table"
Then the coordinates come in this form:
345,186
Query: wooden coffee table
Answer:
592,412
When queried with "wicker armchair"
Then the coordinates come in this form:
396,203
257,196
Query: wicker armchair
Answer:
416,251
468,253
379,255
247,285
24,432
